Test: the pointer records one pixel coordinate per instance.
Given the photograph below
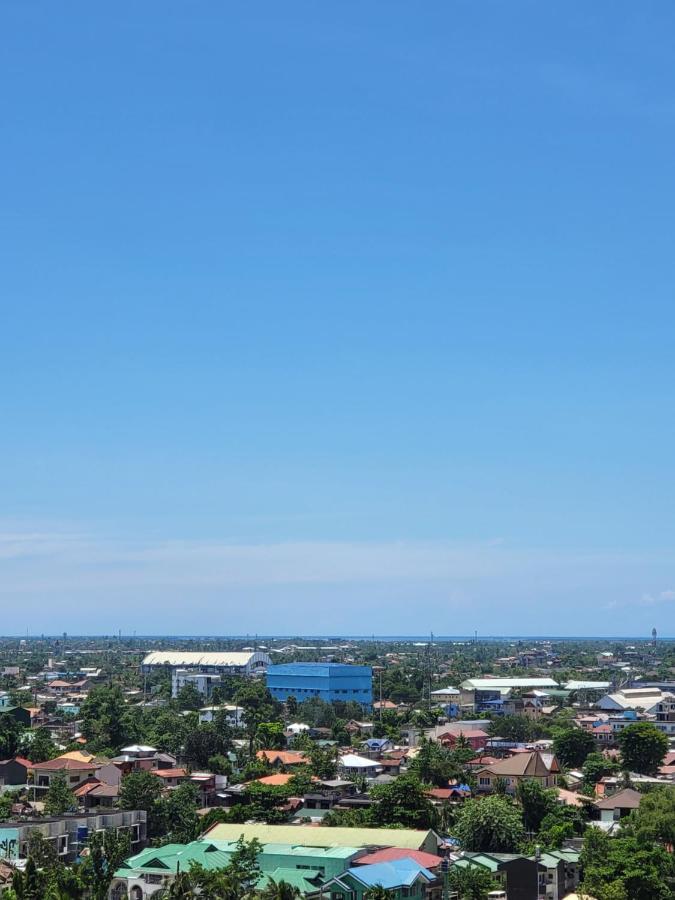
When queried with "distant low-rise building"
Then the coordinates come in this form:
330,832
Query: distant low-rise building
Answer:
234,715
204,670
77,767
476,738
69,834
494,694
642,699
331,682
618,805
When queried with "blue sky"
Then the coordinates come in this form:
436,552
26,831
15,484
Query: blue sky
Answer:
337,317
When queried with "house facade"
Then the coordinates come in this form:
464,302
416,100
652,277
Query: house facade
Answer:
531,765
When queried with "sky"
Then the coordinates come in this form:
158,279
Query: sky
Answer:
337,318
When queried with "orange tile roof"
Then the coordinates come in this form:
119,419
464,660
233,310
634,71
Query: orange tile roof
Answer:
75,760
285,757
273,780
169,773
278,780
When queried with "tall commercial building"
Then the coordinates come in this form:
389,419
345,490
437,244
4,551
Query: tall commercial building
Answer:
328,681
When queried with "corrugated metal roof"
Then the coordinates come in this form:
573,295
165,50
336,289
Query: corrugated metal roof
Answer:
496,684
195,658
308,835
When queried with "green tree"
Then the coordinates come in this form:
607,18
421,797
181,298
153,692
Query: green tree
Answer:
378,893
219,764
181,813
597,766
323,763
168,730
654,820
491,824
471,883
29,884
572,746
258,706
103,718
41,747
143,790
270,736
243,868
279,890
403,802
11,734
619,867
643,747
59,797
203,742
434,764
536,801
106,852
189,698
514,728
183,887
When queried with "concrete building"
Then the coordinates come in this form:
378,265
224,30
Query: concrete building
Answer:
205,669
494,694
328,681
551,876
69,834
234,715
665,715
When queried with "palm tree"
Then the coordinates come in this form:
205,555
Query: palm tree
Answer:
279,890
378,893
181,888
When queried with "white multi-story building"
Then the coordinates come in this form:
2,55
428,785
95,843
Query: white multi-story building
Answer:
204,670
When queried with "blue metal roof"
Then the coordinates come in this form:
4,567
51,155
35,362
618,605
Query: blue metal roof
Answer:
397,873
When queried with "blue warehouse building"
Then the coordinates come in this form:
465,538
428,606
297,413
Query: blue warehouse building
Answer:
329,681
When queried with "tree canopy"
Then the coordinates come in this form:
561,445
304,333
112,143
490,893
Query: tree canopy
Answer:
643,747
489,824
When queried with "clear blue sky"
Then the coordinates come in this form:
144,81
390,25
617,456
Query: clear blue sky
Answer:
340,317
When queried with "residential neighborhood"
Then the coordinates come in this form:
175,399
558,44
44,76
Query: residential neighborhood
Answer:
181,766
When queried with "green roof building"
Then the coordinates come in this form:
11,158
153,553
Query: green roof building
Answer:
306,868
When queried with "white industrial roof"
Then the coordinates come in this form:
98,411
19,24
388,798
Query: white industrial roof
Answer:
588,685
633,698
352,761
196,658
497,684
447,690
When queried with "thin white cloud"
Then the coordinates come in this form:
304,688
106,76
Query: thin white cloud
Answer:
65,575
657,599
